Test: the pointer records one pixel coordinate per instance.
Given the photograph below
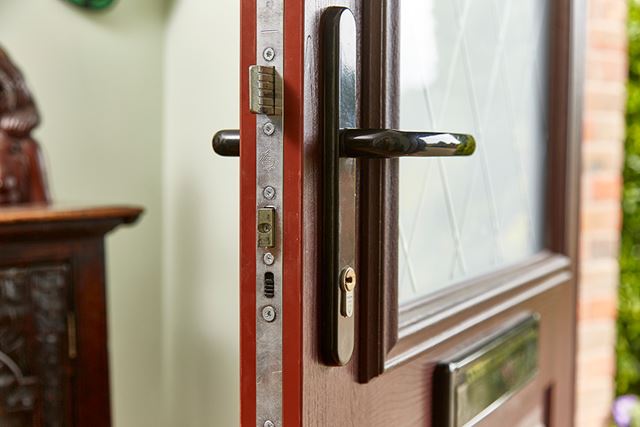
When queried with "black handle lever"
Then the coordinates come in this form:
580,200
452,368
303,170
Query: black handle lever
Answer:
384,144
375,143
227,143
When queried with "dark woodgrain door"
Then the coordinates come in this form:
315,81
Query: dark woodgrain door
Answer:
454,255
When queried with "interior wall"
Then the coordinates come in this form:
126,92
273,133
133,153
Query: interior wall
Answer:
201,215
97,79
130,98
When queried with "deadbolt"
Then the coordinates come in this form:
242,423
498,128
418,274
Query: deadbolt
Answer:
264,96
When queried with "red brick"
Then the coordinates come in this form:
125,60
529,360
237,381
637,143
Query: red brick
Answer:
606,186
606,34
600,126
599,278
608,10
606,67
594,410
595,393
602,157
599,245
600,216
603,97
604,307
597,375
596,337
603,247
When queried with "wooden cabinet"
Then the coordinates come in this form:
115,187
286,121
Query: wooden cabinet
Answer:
53,324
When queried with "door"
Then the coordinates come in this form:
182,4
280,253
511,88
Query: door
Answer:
400,278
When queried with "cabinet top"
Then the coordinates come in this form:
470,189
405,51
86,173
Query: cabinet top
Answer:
38,213
62,221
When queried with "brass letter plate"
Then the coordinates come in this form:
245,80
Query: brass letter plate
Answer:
477,381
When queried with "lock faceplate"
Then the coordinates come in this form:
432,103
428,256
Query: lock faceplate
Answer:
266,101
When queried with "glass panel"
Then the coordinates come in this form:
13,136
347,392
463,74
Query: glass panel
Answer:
478,67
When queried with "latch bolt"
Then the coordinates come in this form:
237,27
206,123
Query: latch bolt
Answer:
266,227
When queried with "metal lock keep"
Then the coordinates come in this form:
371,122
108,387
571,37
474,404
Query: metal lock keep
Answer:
266,227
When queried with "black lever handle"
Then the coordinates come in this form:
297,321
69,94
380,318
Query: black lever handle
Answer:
227,143
375,143
382,143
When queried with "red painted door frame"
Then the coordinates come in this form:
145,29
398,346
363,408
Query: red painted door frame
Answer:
292,215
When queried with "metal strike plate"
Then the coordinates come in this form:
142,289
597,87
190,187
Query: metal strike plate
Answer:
339,185
475,382
263,91
266,227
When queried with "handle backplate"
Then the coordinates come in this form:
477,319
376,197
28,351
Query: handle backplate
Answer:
339,184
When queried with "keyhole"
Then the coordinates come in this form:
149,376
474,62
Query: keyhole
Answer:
348,279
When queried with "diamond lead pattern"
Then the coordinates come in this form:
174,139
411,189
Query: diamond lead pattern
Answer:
479,67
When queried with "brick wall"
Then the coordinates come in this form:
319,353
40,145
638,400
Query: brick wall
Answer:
602,155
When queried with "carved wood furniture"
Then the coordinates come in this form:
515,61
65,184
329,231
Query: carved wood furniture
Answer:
53,319
22,174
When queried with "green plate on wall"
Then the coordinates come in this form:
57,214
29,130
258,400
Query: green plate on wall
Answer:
92,4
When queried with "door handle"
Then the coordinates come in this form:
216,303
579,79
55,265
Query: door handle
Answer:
343,144
374,144
387,144
227,143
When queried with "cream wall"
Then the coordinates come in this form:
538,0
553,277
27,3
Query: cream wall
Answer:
98,81
130,98
201,214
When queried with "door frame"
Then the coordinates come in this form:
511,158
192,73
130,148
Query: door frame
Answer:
292,249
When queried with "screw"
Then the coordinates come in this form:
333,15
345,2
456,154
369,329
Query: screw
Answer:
269,192
348,279
269,313
269,423
268,258
269,54
269,128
